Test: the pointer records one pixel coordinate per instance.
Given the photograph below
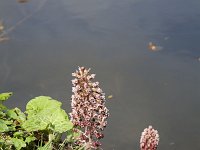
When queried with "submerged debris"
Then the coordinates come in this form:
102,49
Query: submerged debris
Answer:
153,47
3,36
22,1
3,39
4,32
1,26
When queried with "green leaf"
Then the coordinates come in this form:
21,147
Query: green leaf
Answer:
15,114
21,117
8,122
2,114
30,139
3,126
11,113
5,96
45,113
18,143
40,104
18,134
72,135
47,146
2,107
11,128
6,125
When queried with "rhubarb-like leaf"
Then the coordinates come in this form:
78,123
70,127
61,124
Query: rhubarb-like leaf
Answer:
45,113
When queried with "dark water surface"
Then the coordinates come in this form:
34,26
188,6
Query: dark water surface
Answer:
160,88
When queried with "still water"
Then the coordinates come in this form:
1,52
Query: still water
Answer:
48,39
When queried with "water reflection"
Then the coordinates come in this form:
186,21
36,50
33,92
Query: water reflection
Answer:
111,37
4,32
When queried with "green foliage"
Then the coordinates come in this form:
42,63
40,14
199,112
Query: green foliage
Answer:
40,127
18,143
16,114
3,126
11,133
44,113
5,96
72,135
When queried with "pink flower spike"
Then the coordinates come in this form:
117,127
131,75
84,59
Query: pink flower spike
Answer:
149,139
88,108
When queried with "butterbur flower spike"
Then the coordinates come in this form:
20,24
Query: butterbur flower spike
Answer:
149,139
88,108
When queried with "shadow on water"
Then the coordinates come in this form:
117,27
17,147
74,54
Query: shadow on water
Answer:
48,39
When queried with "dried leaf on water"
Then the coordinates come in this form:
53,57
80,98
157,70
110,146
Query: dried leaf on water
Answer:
110,96
3,39
22,1
153,47
1,26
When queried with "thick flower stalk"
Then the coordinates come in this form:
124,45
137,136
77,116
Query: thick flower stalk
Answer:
149,139
88,108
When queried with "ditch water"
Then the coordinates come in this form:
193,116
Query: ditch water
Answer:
48,39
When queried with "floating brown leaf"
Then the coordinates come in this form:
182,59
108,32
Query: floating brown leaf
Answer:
22,1
153,47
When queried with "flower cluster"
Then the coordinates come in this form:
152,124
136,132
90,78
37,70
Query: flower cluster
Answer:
88,108
149,139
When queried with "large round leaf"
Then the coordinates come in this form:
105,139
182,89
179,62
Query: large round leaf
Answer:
44,113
